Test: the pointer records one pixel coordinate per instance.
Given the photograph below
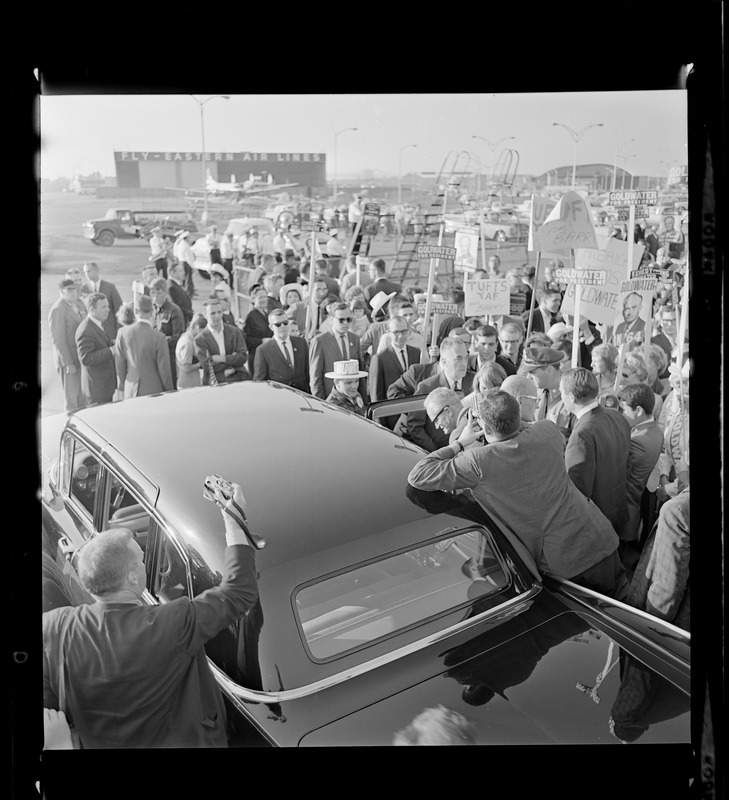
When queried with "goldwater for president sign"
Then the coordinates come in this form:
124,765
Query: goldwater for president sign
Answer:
632,198
435,251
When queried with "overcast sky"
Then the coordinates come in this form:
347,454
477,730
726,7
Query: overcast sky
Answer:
79,133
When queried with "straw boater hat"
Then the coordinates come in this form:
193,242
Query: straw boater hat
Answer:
182,234
346,370
536,357
379,300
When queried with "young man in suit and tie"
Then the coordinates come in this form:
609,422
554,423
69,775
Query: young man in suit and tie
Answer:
389,364
339,344
221,349
96,284
177,293
142,355
96,352
546,313
283,358
417,425
597,451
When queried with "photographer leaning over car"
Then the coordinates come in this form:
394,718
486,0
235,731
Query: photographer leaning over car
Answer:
519,478
135,675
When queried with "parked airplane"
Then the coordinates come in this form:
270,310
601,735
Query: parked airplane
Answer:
233,190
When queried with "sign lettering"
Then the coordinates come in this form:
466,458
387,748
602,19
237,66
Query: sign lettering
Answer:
484,297
632,198
435,251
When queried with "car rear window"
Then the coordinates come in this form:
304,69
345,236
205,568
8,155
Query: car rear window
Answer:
375,600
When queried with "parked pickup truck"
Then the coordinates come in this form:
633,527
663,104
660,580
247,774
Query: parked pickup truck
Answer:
121,223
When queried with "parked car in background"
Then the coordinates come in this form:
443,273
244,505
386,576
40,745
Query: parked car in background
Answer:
122,223
370,609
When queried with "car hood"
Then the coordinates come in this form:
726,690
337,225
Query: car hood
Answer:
532,687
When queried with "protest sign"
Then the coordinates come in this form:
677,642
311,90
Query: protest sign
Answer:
635,303
540,208
632,198
466,248
371,219
311,225
568,225
435,251
487,297
438,307
583,277
600,303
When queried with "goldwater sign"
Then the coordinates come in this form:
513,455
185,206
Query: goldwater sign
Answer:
583,277
435,251
630,198
311,225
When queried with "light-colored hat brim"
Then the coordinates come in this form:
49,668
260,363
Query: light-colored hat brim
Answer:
354,376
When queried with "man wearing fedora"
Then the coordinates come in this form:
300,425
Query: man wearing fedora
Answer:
597,450
543,366
283,358
345,393
339,344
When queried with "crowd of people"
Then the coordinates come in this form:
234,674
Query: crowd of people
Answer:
585,469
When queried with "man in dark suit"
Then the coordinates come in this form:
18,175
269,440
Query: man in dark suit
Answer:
168,319
485,344
637,402
389,364
96,352
284,358
417,425
96,284
339,344
221,349
597,451
137,675
406,384
64,319
546,313
177,293
380,282
521,481
142,355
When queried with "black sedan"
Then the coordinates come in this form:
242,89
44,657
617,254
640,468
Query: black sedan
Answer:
370,609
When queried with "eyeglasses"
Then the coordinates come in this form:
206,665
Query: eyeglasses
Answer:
279,324
435,418
344,319
403,332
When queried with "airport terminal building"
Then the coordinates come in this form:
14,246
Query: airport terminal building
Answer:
186,170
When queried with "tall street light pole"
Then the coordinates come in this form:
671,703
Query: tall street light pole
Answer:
576,138
625,159
615,167
492,146
399,172
336,135
201,103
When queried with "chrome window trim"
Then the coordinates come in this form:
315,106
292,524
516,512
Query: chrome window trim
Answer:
240,693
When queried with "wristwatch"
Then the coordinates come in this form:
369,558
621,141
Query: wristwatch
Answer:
460,444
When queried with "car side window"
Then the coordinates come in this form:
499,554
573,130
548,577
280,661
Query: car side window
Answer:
170,579
84,484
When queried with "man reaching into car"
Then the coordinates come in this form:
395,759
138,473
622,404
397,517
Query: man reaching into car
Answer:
519,479
128,674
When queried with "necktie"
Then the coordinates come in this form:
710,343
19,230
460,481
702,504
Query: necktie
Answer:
403,359
457,386
543,404
345,347
285,346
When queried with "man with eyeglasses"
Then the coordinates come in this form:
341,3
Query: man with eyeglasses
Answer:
511,339
284,358
339,344
389,364
221,348
417,426
520,480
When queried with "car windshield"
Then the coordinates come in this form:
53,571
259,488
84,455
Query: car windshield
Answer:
112,213
355,608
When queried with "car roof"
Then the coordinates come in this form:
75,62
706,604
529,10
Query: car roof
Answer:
305,467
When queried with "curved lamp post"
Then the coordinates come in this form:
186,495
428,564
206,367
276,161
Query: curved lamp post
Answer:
201,103
576,138
615,166
492,146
